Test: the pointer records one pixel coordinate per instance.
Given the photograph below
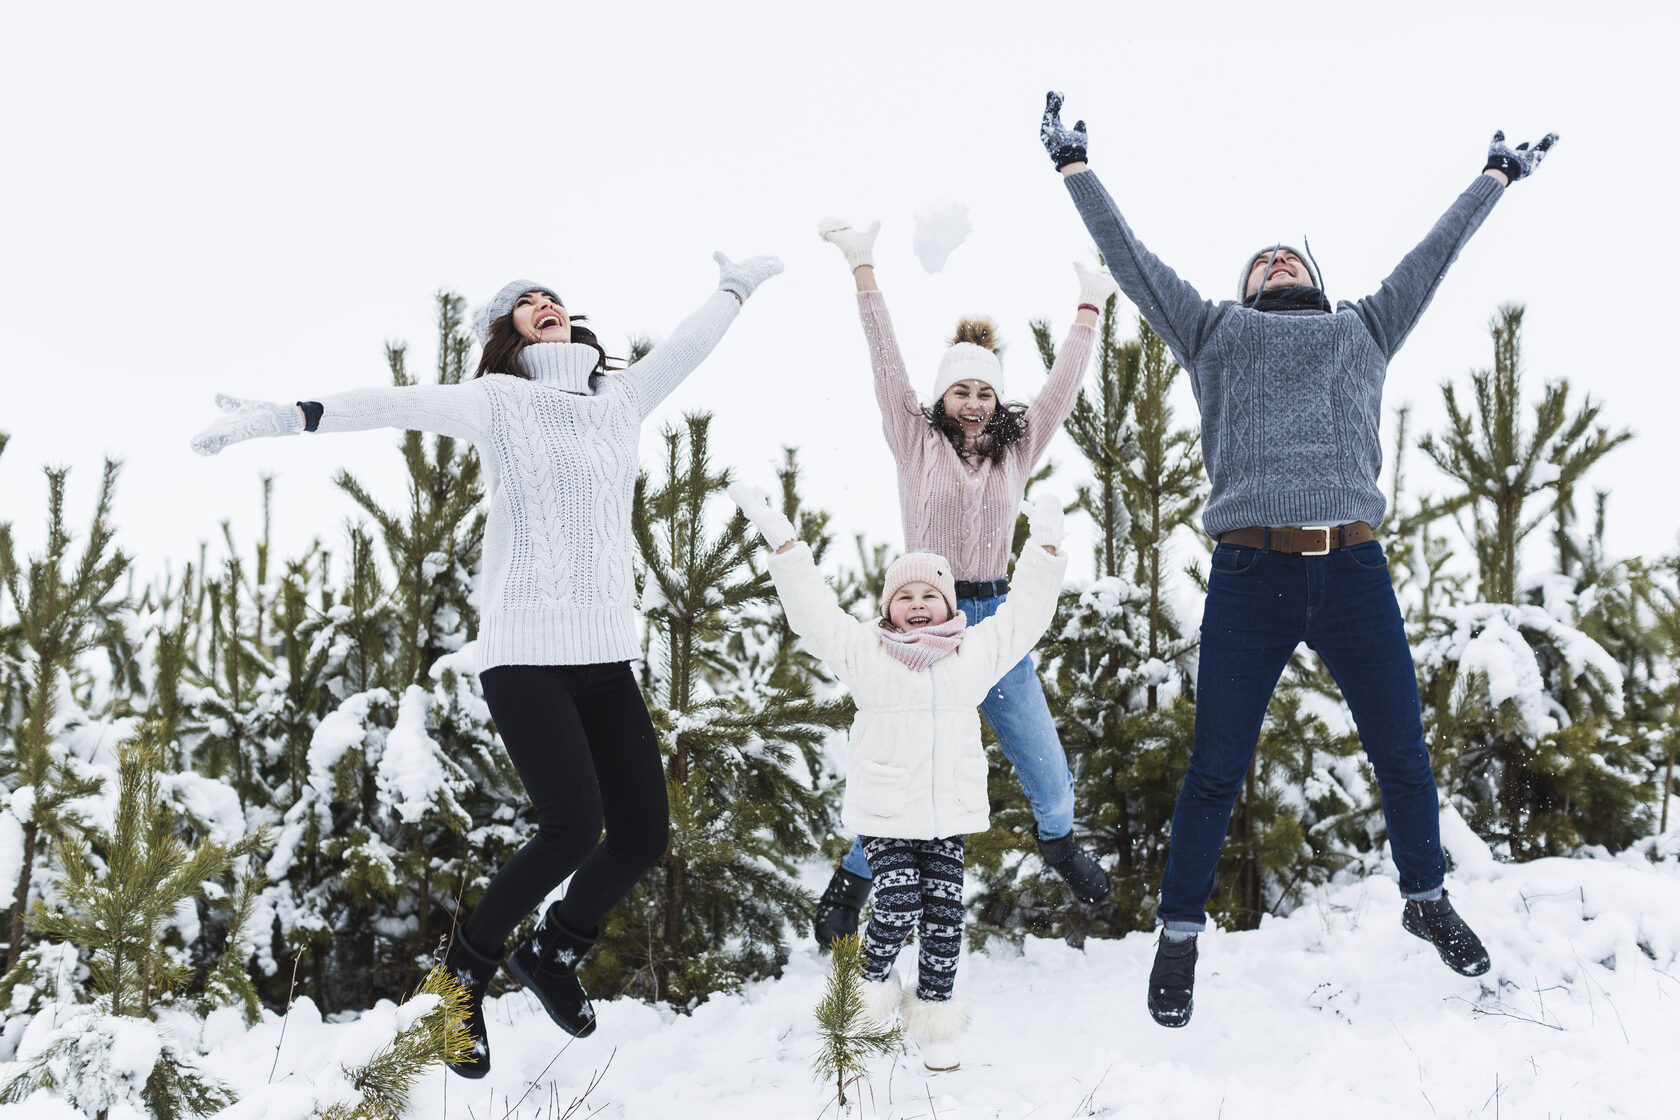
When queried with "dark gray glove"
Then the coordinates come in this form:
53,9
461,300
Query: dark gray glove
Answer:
1065,145
1518,162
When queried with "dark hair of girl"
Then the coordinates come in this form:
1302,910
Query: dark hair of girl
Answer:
502,344
1009,421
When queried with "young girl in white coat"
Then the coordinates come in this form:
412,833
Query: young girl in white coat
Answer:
916,776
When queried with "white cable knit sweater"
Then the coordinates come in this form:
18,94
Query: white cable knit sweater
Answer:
560,461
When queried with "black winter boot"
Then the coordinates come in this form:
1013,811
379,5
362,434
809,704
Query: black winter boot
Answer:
546,964
1438,923
1172,982
1079,871
474,970
840,907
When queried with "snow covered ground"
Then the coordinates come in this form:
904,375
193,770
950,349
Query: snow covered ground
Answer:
1333,1010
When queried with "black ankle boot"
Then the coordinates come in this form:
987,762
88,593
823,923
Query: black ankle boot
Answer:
1079,871
546,964
840,907
474,970
1172,982
1438,923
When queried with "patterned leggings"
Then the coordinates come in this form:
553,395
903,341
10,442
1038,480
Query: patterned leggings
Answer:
916,880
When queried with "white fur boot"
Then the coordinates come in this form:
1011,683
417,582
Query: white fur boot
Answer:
935,1027
881,998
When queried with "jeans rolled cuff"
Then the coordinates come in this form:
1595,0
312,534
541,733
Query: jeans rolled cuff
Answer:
855,861
1425,896
1184,927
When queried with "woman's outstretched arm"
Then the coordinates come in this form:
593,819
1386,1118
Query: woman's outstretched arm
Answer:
656,376
461,411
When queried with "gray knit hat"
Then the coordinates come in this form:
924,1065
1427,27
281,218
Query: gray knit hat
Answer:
502,302
1248,267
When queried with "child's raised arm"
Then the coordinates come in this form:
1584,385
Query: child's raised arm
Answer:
807,600
1034,589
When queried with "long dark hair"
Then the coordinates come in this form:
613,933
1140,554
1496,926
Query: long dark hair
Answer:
1009,421
503,343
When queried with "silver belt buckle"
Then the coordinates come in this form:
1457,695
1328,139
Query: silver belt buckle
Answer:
1325,529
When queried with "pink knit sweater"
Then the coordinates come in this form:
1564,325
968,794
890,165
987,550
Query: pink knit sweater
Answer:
963,511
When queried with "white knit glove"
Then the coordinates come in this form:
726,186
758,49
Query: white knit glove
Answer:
1044,517
742,277
243,419
857,244
772,523
1095,285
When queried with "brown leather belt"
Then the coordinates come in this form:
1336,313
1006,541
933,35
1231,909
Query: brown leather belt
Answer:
1313,540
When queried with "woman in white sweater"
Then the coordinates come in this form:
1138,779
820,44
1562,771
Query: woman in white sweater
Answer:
557,435
916,771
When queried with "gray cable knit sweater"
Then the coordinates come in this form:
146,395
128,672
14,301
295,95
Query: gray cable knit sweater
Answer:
1291,401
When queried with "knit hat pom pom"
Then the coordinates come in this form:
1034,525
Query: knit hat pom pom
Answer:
977,329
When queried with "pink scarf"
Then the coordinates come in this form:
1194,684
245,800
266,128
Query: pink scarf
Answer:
921,648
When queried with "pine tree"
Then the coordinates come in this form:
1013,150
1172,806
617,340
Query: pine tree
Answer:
64,608
1501,467
713,912
848,1038
118,897
1518,700
430,1028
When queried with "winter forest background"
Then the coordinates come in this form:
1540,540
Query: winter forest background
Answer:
244,760
258,775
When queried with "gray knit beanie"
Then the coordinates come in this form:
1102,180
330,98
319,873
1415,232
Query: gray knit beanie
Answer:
502,302
1248,266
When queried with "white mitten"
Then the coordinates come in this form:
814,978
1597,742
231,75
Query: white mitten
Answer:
744,276
857,244
1044,517
243,419
772,523
1095,285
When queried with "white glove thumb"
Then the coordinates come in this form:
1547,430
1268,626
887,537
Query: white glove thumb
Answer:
1044,518
857,244
771,523
1095,285
247,419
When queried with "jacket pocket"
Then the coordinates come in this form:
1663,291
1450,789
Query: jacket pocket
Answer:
970,774
878,789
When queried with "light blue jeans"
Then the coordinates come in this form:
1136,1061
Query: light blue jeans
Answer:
1020,718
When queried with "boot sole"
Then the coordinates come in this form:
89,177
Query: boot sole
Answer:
1171,1018
529,983
1475,968
471,1072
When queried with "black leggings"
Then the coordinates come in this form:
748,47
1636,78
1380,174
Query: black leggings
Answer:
584,746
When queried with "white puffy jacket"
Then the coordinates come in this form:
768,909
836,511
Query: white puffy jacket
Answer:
916,769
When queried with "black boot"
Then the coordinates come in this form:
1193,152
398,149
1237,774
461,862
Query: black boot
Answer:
1172,982
1438,923
841,906
1079,871
474,970
546,964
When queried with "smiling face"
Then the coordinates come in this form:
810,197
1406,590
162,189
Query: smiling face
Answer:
538,317
971,403
1288,271
916,605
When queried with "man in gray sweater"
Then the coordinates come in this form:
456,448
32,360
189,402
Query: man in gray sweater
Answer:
1290,392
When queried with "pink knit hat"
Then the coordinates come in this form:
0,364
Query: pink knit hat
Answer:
923,567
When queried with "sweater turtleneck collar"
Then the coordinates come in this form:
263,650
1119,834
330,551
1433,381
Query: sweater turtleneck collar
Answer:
560,365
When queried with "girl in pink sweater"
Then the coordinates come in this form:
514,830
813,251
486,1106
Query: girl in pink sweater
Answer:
963,464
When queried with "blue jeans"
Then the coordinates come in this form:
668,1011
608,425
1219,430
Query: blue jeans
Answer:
1260,606
1020,718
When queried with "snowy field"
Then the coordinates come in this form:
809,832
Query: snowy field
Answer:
1333,1010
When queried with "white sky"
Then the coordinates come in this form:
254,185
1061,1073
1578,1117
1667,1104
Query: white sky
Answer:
217,197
